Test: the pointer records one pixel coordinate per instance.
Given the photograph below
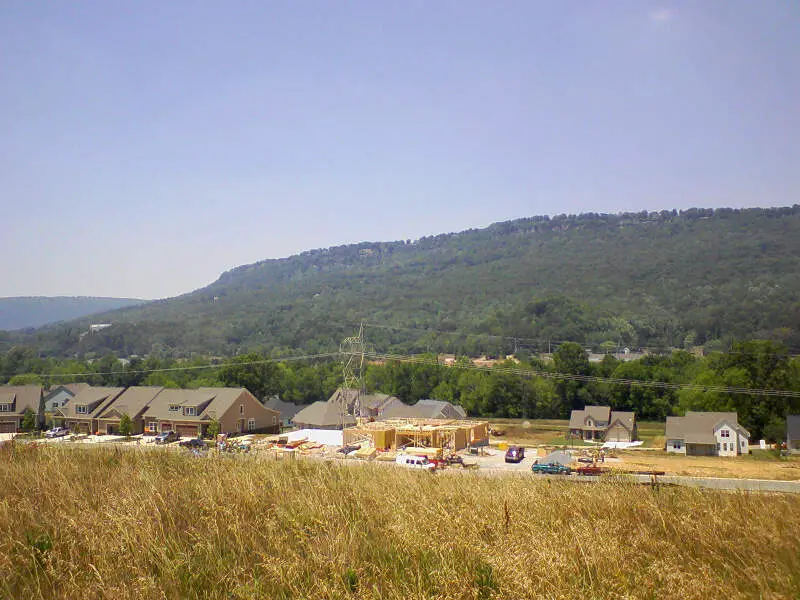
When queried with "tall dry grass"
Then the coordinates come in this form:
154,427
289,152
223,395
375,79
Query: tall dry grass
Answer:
99,523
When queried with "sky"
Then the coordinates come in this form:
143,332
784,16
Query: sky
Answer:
148,146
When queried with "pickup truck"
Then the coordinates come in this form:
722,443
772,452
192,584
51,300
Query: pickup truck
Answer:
56,432
551,469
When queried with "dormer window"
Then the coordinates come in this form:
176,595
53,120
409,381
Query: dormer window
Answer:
5,408
82,409
189,411
174,407
724,433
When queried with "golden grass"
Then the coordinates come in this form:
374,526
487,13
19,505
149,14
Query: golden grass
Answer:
100,523
745,467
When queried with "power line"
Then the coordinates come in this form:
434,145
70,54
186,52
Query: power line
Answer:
594,379
193,367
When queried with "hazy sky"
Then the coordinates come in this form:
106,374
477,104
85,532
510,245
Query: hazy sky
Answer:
145,147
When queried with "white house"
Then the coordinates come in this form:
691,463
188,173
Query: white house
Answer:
707,434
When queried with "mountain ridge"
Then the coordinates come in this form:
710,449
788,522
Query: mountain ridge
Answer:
669,278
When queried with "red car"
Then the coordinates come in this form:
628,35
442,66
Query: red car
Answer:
515,454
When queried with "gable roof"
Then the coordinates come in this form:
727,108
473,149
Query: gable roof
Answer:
158,407
372,402
96,398
323,414
438,409
287,410
699,427
577,418
133,401
399,410
21,397
627,419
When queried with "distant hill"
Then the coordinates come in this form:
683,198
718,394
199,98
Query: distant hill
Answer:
646,279
34,311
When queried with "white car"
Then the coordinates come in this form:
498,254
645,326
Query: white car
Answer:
414,462
56,432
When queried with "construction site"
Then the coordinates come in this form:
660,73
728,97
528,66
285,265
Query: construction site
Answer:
398,434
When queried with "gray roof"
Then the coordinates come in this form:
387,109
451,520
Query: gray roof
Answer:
439,409
557,458
323,414
628,419
399,410
577,418
373,402
698,427
132,402
95,398
159,406
21,397
793,427
287,409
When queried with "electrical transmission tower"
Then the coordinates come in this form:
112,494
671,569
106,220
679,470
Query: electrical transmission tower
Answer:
352,351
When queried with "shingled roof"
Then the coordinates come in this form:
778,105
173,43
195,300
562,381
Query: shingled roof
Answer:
321,415
698,427
21,397
132,402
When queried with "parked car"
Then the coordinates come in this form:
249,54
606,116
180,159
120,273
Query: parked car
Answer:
415,462
195,444
515,454
591,470
165,437
56,432
551,469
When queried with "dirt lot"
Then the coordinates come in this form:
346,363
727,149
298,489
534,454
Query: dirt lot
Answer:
535,432
759,465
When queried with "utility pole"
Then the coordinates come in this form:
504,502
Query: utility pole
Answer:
352,351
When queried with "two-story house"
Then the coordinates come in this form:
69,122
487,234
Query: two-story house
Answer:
189,412
81,413
602,423
133,402
707,434
15,400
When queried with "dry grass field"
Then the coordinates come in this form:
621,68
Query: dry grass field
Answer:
105,523
762,465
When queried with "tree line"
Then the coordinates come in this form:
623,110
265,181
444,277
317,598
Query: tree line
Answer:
523,387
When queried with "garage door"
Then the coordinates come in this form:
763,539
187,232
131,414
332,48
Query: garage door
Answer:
189,431
8,427
83,427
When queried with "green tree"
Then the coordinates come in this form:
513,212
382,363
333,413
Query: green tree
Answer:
212,431
28,420
252,371
125,425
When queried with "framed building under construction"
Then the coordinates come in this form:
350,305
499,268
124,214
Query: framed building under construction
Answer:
396,434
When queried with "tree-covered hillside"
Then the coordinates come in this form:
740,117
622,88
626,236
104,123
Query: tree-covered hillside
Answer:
664,279
34,311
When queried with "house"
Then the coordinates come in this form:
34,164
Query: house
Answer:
189,412
793,432
287,410
15,400
133,402
324,415
80,414
707,434
438,409
369,405
602,423
58,396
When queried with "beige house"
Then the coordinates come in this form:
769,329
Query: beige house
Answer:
189,412
602,423
81,413
707,434
133,402
14,401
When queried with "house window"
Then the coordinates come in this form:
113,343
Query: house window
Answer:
5,408
174,407
81,409
274,420
724,433
152,427
241,409
676,445
251,424
189,411
719,447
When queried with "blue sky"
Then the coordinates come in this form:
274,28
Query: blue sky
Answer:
145,147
